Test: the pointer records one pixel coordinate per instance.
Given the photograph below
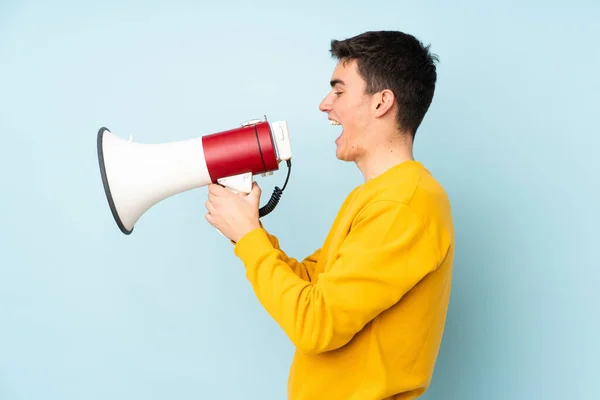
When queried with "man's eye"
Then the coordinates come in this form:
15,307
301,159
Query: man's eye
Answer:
338,93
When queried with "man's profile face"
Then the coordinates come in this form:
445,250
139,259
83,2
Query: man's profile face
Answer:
348,105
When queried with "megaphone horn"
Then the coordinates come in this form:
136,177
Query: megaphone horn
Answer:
136,176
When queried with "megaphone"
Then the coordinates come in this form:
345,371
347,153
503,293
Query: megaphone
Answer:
136,176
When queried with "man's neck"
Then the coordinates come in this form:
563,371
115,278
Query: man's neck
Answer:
383,157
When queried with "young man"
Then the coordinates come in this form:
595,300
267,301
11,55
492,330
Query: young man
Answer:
367,310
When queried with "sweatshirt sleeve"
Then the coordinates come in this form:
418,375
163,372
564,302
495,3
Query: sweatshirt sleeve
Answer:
305,269
385,254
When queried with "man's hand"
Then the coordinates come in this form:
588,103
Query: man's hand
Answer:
233,214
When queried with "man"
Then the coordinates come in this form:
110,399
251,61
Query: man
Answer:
366,311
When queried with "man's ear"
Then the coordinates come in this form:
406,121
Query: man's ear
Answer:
383,102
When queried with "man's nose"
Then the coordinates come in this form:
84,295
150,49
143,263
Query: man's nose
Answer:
325,105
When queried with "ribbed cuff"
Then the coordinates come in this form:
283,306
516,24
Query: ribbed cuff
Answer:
234,242
253,245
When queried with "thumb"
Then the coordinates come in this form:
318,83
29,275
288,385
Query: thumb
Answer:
255,192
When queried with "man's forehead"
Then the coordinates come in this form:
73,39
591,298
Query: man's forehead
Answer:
343,74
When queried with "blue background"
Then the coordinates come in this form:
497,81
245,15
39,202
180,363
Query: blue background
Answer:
167,313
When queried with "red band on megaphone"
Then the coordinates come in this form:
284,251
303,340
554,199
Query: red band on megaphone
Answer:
240,150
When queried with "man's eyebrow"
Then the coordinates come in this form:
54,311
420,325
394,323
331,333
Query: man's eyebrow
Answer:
336,82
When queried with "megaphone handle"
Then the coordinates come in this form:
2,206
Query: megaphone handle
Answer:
237,184
275,196
241,183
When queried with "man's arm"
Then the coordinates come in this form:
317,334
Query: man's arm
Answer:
386,253
305,268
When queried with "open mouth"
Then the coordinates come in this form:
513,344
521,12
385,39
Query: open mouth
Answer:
336,123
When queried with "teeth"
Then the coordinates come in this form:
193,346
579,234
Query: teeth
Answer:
332,122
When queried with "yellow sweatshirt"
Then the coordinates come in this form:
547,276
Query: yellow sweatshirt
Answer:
366,311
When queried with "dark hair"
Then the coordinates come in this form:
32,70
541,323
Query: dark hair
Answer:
396,61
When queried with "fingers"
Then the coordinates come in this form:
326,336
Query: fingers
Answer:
216,190
209,215
214,199
209,206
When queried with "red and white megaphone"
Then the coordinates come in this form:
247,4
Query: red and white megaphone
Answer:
137,176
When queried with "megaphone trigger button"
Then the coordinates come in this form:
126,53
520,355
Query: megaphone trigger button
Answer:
279,133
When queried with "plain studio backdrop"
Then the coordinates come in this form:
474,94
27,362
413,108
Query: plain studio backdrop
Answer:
167,313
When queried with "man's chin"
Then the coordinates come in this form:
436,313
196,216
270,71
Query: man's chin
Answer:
342,156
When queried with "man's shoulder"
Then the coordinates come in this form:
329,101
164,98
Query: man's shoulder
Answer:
408,184
415,188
